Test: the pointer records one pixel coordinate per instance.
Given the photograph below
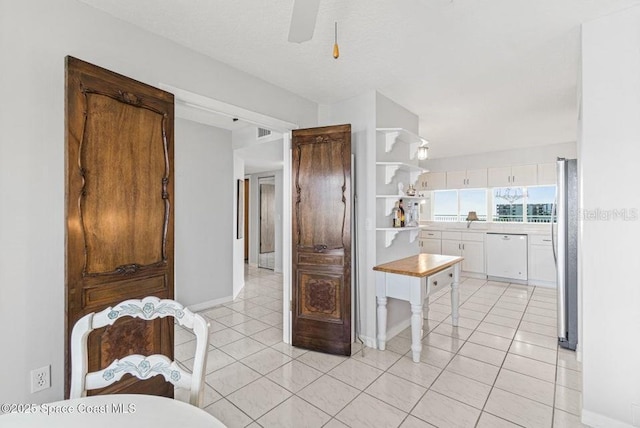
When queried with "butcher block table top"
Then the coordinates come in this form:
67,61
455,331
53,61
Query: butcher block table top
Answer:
420,265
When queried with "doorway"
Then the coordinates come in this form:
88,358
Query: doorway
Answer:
266,233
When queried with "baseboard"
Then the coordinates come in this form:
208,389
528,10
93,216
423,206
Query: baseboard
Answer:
209,304
540,283
473,275
596,420
510,280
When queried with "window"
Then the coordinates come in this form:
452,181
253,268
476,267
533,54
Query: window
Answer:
508,203
540,202
473,200
532,204
445,205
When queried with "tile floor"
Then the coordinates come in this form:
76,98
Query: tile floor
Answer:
500,368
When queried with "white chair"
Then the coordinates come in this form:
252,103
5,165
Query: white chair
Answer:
140,366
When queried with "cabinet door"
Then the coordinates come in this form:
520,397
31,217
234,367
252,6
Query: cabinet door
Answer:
524,175
430,246
473,253
476,178
421,184
456,179
541,263
499,177
451,248
546,173
435,180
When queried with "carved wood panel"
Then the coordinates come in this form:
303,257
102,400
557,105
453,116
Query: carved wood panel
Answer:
321,304
119,211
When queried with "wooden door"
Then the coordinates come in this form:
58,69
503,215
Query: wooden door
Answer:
119,214
267,218
321,250
246,218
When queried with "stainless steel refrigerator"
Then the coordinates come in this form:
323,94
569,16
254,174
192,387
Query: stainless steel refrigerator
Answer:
565,246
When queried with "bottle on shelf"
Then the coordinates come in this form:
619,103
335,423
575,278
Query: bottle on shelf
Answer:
395,214
412,217
402,214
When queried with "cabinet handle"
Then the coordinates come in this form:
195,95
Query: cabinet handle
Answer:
509,178
514,179
435,282
450,275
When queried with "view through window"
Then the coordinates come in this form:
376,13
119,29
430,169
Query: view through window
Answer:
532,204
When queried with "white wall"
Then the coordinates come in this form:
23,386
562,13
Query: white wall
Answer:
238,244
608,153
360,113
204,193
35,36
523,156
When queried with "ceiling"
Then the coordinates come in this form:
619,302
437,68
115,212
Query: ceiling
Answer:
482,75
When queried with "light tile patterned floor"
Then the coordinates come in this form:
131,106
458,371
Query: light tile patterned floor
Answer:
500,367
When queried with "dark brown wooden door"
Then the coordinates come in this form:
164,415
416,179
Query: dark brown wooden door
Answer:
267,218
321,298
246,218
119,214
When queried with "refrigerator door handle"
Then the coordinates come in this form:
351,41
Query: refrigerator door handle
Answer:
561,210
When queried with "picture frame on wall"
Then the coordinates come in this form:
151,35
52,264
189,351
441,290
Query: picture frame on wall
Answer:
240,210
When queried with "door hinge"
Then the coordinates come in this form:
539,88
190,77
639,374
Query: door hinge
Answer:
290,305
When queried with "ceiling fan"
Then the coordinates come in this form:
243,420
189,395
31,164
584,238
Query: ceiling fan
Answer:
303,20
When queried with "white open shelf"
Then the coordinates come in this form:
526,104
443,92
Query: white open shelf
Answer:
391,168
391,233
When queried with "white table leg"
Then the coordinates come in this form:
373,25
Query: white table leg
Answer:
382,323
455,295
416,331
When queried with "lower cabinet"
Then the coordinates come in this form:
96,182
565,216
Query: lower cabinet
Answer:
469,245
430,242
542,266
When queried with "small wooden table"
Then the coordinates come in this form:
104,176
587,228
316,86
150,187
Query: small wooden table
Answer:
414,279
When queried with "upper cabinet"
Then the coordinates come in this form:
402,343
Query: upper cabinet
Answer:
523,175
432,181
547,174
473,178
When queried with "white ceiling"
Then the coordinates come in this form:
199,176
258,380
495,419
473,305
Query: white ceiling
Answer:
483,75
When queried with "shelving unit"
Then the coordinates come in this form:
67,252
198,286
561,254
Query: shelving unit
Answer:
393,135
396,162
390,233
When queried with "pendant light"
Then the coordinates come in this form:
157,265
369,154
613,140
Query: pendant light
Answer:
336,49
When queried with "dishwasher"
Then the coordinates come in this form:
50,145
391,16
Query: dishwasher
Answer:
507,256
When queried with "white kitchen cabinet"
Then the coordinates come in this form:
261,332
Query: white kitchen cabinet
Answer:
510,176
432,181
542,267
472,178
430,246
469,245
547,174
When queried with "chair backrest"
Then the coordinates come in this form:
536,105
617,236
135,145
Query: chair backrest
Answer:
140,366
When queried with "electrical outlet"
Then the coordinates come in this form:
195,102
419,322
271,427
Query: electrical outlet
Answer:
40,379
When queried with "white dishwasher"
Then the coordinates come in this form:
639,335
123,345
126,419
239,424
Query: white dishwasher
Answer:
507,256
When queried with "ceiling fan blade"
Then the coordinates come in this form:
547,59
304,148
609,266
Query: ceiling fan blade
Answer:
303,20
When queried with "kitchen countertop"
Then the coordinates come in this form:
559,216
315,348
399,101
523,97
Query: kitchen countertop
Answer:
419,265
529,229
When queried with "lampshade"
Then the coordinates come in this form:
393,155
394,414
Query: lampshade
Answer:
423,152
472,216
